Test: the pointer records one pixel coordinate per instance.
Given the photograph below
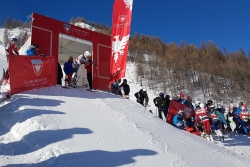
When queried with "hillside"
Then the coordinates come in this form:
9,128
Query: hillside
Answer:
74,127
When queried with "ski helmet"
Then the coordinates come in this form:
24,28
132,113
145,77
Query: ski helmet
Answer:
34,46
202,105
167,97
197,102
181,113
14,38
87,54
125,80
209,102
144,90
161,95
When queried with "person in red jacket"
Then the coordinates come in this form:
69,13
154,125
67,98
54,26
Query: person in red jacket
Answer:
88,67
11,49
202,118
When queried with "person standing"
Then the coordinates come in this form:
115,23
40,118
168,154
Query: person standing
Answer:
160,104
11,49
68,69
59,74
167,99
202,118
88,67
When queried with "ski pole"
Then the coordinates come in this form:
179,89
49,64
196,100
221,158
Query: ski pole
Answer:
25,22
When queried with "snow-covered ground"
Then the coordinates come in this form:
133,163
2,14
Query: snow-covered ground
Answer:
74,127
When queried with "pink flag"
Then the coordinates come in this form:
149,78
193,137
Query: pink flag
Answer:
121,21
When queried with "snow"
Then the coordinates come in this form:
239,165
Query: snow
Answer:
55,126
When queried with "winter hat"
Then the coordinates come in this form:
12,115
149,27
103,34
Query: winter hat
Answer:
181,95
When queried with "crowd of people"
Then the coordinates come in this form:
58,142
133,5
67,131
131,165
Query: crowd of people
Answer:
207,119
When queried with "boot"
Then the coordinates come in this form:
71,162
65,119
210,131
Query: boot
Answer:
211,138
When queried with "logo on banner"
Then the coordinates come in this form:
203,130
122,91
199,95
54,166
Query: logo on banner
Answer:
188,111
122,18
119,46
37,66
129,4
67,27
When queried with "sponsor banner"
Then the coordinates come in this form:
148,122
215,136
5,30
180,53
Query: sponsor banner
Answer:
173,109
121,22
31,72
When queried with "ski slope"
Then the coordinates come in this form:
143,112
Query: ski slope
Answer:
74,127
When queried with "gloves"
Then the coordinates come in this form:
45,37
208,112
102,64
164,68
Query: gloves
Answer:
42,55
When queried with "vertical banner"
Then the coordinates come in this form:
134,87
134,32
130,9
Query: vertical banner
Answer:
121,21
31,72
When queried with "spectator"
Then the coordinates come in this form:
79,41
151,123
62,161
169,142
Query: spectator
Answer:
188,102
179,120
140,97
59,74
181,99
68,69
125,87
160,104
115,87
32,51
167,102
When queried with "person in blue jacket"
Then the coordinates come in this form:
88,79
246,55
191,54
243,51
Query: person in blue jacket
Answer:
32,51
179,120
68,69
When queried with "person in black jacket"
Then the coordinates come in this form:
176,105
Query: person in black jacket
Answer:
59,74
125,87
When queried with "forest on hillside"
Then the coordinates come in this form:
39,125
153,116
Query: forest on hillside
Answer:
219,75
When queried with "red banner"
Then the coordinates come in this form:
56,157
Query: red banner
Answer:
31,72
173,109
121,21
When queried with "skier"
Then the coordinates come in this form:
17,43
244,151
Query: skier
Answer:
202,118
215,123
81,59
179,120
68,70
32,51
11,49
160,104
88,67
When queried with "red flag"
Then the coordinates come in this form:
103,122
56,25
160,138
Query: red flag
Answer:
121,21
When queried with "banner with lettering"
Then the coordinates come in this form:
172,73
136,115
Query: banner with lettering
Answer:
121,22
31,72
173,109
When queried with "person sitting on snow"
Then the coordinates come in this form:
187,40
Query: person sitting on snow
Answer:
179,120
32,51
125,87
115,87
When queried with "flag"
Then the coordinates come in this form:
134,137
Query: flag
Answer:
121,21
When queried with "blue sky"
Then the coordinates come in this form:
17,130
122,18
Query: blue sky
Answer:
225,22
